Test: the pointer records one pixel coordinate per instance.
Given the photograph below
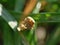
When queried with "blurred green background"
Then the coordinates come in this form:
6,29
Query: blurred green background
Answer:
48,18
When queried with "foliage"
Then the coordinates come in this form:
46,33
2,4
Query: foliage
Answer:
50,15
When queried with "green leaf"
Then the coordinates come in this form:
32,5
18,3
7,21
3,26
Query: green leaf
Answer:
54,37
19,5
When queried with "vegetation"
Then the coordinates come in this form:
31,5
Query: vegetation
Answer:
48,18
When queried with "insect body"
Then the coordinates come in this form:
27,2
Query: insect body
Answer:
26,24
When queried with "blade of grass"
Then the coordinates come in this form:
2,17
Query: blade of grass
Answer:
54,37
7,35
19,5
41,17
8,18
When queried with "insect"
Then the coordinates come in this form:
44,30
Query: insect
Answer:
26,24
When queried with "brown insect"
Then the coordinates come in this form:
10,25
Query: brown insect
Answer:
26,24
25,21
